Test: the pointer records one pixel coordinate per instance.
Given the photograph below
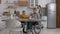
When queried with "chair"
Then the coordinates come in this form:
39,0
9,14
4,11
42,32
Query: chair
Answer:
14,26
15,31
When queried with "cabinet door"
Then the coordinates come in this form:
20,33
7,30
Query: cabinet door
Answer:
33,3
58,13
22,2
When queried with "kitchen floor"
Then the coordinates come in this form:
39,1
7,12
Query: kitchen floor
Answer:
44,31
50,31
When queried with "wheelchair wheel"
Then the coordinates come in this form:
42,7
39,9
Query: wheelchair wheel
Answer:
37,29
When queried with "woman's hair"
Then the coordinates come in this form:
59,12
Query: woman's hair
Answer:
38,6
34,8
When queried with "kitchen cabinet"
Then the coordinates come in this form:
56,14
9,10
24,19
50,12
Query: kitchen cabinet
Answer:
29,3
22,2
33,3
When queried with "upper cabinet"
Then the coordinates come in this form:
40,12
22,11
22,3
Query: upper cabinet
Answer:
29,3
33,3
22,2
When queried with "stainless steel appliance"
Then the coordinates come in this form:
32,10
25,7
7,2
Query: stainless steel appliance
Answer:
51,8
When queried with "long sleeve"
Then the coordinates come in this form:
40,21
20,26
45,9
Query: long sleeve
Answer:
38,16
41,13
39,22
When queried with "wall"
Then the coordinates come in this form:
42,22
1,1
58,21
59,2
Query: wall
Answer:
44,2
40,2
2,6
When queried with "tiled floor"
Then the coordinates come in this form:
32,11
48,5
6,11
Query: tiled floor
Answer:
50,31
44,31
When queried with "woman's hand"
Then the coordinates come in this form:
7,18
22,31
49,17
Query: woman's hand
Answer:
34,19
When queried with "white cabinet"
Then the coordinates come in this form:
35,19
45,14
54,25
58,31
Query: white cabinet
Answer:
33,3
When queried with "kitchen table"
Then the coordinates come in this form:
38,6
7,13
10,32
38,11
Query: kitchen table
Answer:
30,20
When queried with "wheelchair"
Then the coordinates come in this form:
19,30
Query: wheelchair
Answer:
35,29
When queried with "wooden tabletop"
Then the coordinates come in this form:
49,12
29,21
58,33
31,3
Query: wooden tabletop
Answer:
32,20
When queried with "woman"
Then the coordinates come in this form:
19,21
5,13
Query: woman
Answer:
39,10
34,15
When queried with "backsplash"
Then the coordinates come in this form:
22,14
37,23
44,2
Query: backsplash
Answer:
28,10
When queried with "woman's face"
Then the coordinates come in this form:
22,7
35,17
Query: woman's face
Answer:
38,8
34,11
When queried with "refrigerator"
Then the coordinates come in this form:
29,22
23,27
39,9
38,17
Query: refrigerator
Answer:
51,15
